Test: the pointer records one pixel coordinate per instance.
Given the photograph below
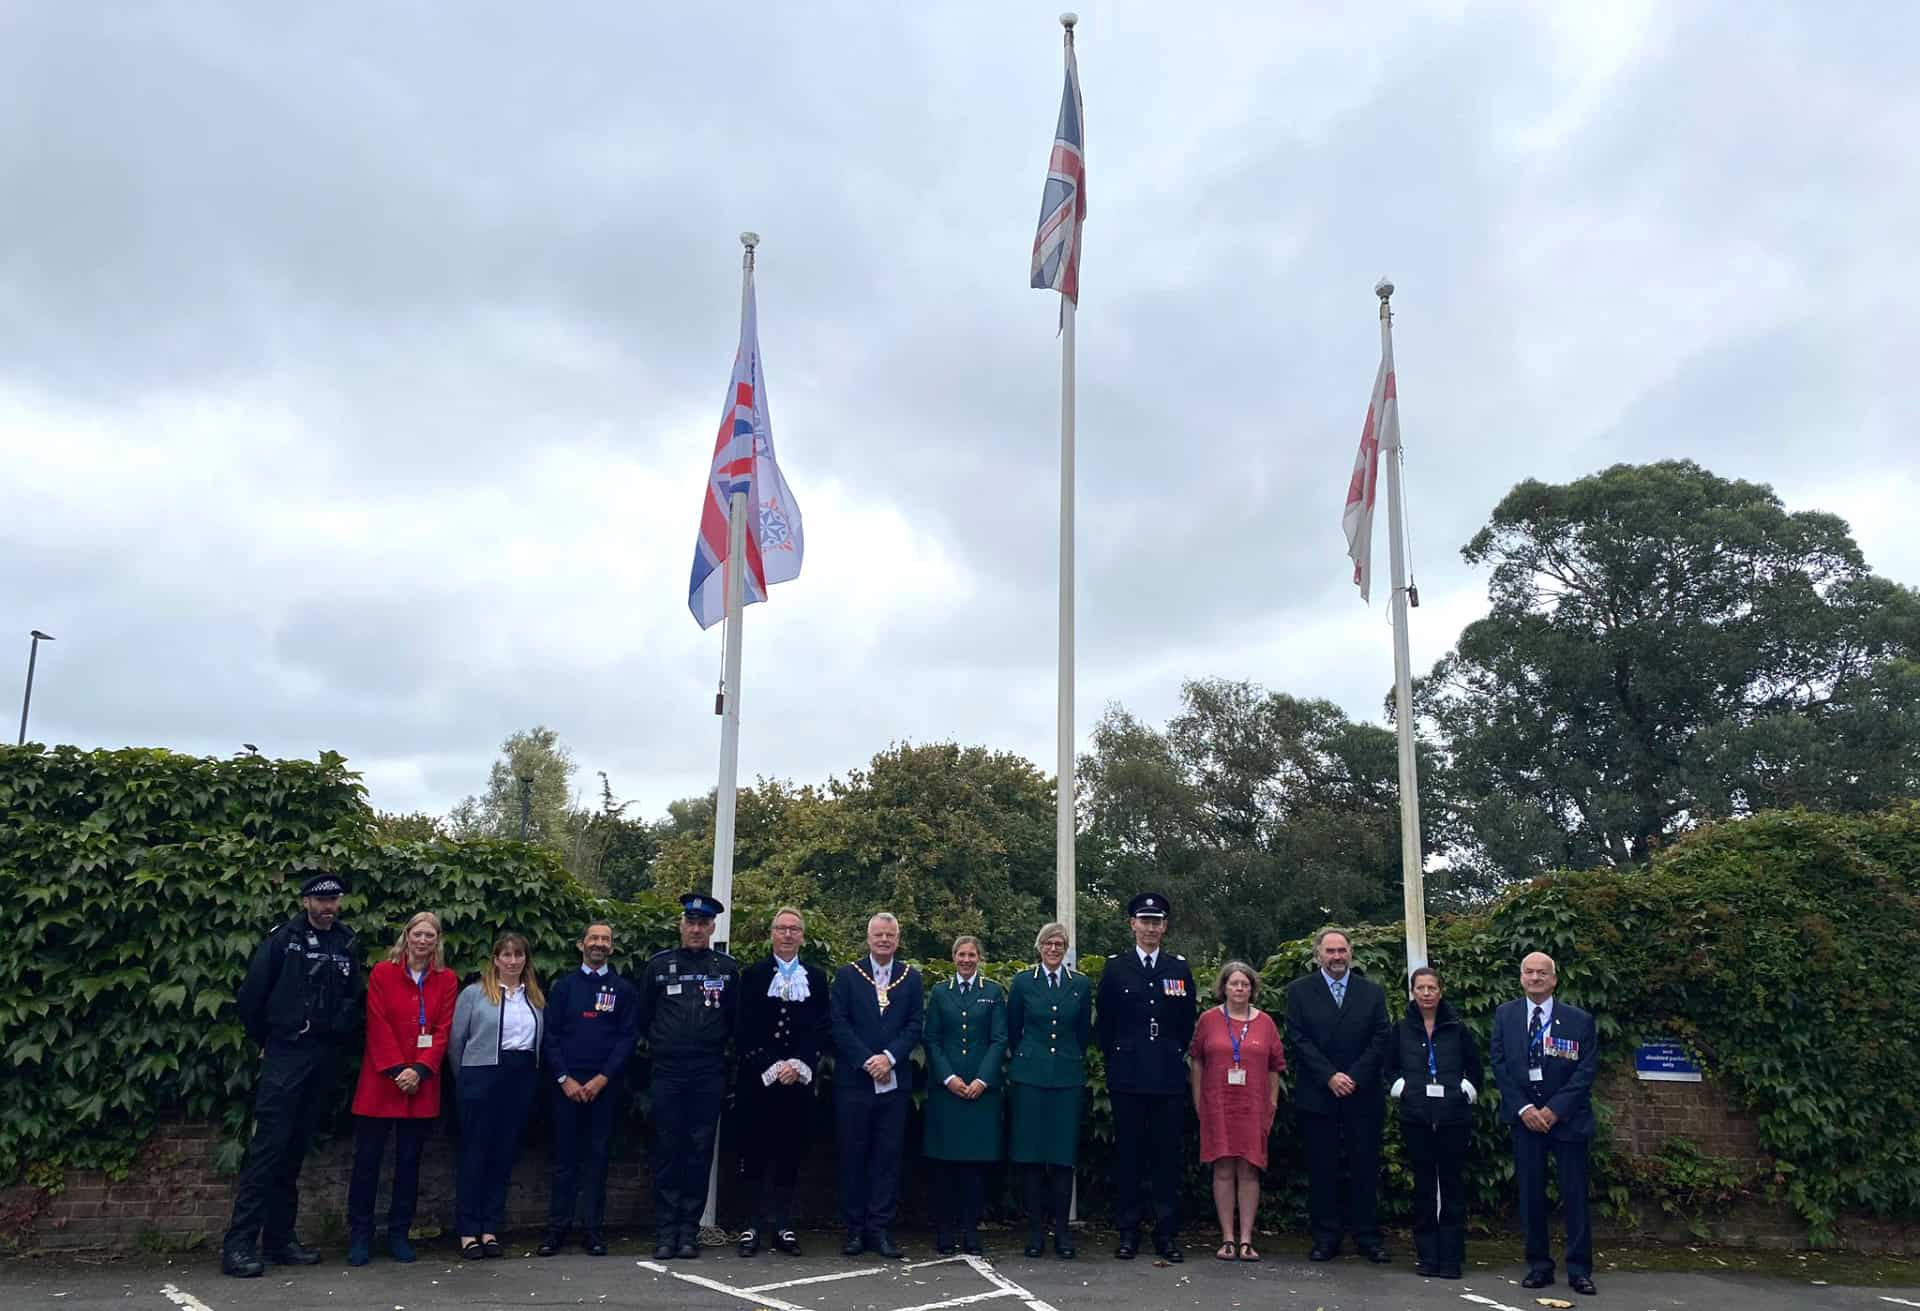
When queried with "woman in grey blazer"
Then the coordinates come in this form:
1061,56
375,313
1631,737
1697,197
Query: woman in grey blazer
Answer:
495,1046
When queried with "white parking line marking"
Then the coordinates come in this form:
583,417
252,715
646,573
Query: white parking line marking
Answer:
773,1304
1898,1301
1487,1301
180,1297
1002,1286
968,1300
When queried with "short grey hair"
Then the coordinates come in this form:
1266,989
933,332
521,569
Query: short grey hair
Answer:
1321,936
1052,929
787,910
886,915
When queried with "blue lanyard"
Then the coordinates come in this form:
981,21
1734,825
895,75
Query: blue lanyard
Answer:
420,988
1236,1038
1433,1066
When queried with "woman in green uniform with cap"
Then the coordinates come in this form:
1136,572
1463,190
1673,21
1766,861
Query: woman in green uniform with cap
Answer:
966,1038
1049,1024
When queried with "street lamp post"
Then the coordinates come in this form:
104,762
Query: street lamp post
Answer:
526,804
26,702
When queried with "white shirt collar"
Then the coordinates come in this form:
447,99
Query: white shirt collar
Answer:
1546,1010
882,971
600,973
1340,982
1147,958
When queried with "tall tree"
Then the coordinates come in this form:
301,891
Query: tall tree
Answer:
1262,815
1663,646
536,755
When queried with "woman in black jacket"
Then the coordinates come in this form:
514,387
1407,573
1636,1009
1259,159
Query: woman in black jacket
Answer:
1437,1082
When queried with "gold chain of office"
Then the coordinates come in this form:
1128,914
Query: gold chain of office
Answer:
880,993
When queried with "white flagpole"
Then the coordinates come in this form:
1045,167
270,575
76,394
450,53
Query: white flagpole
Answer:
724,794
1413,883
1065,891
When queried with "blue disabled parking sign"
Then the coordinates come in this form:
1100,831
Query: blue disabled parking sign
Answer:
1665,1062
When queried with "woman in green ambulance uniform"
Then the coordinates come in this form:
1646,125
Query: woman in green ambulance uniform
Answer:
966,1040
1049,1027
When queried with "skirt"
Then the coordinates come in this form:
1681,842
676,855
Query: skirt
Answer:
1046,1124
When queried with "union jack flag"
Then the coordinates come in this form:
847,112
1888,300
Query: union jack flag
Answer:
1063,205
743,461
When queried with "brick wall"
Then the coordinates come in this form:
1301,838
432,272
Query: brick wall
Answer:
1645,1115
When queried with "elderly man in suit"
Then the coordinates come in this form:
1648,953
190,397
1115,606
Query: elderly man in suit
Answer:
1337,1034
875,1007
1545,1055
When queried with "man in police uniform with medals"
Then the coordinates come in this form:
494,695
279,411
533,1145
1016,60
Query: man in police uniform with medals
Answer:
1144,1015
301,1000
689,996
875,1007
778,1035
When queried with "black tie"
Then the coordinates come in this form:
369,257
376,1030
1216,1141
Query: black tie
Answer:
1533,1038
1053,981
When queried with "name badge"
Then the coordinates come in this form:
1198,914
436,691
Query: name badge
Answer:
1436,1090
673,990
1236,1076
425,1040
1536,1075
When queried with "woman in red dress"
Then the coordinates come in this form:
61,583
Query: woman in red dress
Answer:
409,1012
1236,1065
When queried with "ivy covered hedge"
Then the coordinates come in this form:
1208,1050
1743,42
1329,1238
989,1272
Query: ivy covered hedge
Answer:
136,882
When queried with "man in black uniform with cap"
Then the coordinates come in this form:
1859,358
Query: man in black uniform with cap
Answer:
1143,1019
301,1000
781,1027
688,998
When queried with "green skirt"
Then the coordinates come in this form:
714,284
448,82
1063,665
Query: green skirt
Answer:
1046,1124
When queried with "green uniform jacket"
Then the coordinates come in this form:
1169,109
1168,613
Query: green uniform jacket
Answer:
1048,1030
966,1037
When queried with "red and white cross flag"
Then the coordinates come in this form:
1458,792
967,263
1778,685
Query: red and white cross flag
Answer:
1381,434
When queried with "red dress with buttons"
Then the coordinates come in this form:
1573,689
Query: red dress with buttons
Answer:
395,1006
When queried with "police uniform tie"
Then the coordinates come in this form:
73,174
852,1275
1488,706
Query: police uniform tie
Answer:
1053,981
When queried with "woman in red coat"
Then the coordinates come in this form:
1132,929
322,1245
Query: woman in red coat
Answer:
1236,1069
409,1011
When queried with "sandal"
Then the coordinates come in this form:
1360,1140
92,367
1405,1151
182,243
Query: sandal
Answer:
490,1247
470,1249
1225,1253
1247,1253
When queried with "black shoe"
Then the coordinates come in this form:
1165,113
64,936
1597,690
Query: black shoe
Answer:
786,1241
1581,1284
1323,1252
749,1243
1037,1246
854,1245
491,1247
971,1245
1064,1249
1535,1279
687,1251
551,1243
1128,1246
883,1244
291,1253
663,1250
242,1265
1449,1272
944,1246
1169,1252
1424,1270
1377,1255
594,1244
474,1251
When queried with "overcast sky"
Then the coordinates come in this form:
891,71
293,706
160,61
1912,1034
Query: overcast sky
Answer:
360,363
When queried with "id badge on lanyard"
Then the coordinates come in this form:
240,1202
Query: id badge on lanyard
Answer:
425,1040
1238,1074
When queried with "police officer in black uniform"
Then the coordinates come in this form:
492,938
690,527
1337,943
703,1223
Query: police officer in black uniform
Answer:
689,996
1143,1018
301,1002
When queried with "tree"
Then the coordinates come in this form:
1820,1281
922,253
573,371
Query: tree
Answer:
1666,646
1261,815
535,754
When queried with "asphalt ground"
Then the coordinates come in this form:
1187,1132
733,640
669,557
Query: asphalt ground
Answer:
823,1280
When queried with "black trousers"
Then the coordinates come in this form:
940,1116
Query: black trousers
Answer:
1530,1152
774,1124
582,1141
959,1196
872,1142
1048,1191
686,1116
1148,1148
363,1188
1438,1154
296,1082
1342,1151
495,1101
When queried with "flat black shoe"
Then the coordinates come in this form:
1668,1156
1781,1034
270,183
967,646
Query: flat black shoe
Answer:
1451,1272
1170,1253
1127,1248
687,1252
971,1246
786,1241
550,1244
594,1245
1536,1280
1065,1251
749,1243
291,1253
1378,1255
1424,1270
1323,1252
944,1247
491,1247
883,1244
242,1265
474,1251
663,1251
1581,1284
854,1245
1036,1247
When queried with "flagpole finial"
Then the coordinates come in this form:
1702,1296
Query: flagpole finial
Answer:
749,239
1383,288
1067,20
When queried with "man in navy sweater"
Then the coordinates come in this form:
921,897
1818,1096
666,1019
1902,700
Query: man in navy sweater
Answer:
593,1023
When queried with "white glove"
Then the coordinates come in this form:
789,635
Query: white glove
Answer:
1472,1094
1399,1086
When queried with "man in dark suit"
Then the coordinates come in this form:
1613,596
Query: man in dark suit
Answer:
875,1007
782,1024
1337,1035
1143,1017
1545,1055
